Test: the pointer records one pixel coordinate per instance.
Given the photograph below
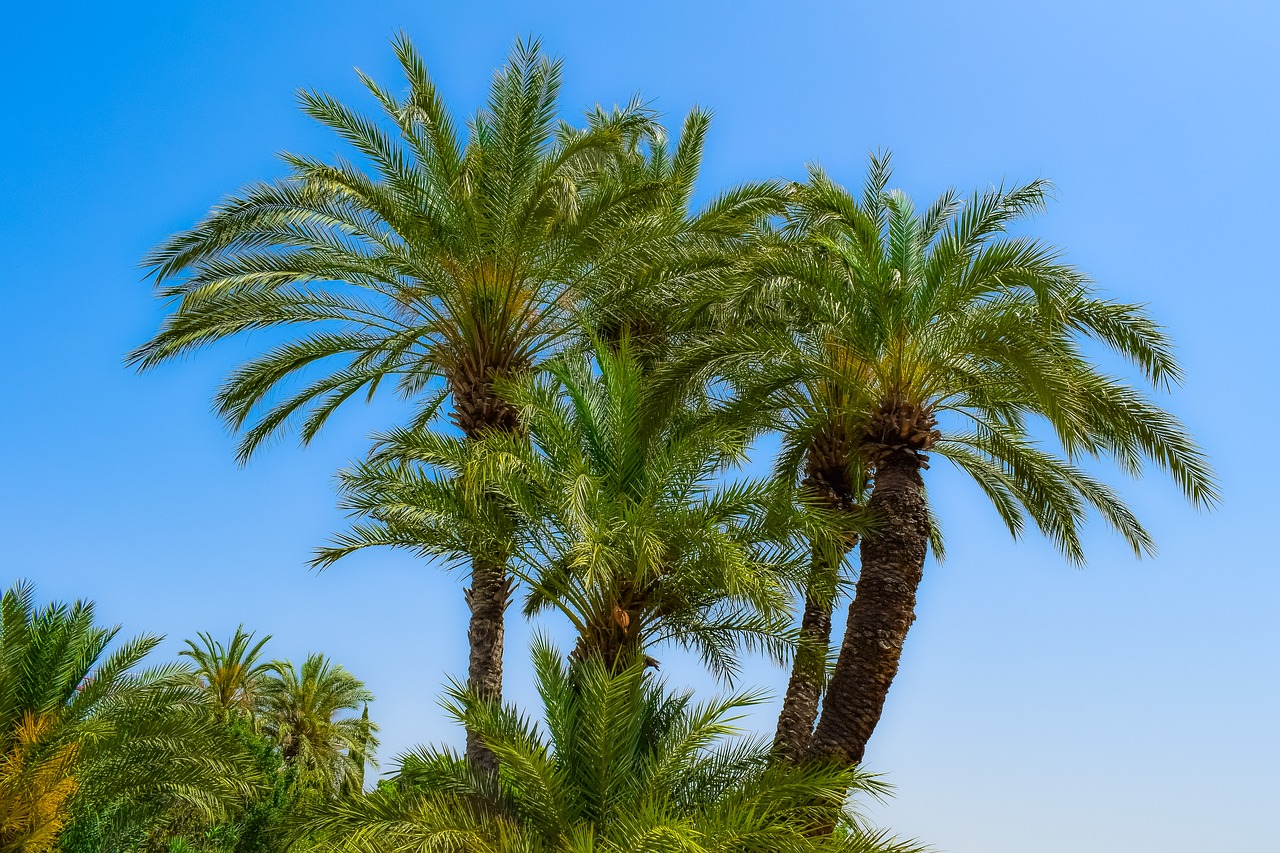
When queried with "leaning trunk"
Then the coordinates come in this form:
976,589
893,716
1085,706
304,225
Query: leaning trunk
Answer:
881,612
809,669
829,478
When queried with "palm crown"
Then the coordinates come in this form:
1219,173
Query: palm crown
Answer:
455,259
938,332
621,764
303,710
612,510
231,673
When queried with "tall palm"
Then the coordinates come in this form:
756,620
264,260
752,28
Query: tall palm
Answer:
84,732
617,517
947,335
760,337
453,265
621,765
231,673
302,709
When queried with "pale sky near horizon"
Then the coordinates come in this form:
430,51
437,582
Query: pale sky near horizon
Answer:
1128,706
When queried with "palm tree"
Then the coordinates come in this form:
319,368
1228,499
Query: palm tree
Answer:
762,340
84,733
230,673
615,518
941,333
301,710
455,265
678,250
622,765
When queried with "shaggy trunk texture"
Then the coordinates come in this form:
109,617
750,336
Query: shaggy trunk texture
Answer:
828,478
488,597
808,671
477,409
881,612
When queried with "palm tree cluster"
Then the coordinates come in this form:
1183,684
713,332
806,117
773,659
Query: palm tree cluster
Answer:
621,764
607,353
299,710
97,753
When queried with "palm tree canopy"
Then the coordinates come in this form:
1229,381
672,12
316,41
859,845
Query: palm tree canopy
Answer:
939,331
456,256
233,672
83,731
620,764
302,710
615,509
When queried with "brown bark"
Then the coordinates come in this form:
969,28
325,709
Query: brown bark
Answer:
487,598
828,477
478,410
881,612
808,672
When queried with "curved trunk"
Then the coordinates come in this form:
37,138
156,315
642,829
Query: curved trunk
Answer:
487,598
808,672
828,478
881,612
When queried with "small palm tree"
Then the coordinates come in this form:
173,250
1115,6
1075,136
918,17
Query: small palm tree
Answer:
937,332
83,732
457,263
231,673
630,530
614,513
302,710
622,765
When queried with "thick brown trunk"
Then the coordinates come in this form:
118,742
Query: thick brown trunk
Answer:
487,598
881,612
808,672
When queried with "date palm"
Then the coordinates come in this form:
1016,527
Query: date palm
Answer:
631,532
615,514
680,249
231,673
945,334
302,710
453,263
84,732
762,341
620,764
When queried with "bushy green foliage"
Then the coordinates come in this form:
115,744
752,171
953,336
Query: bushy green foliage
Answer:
613,508
607,352
87,737
619,763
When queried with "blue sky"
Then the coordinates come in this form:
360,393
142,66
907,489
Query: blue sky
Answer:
1126,706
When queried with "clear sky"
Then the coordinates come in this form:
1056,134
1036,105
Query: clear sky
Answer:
1129,706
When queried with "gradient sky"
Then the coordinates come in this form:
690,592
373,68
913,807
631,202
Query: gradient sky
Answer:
1127,706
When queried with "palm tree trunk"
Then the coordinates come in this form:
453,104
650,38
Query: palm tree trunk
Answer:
809,668
477,409
881,612
487,598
